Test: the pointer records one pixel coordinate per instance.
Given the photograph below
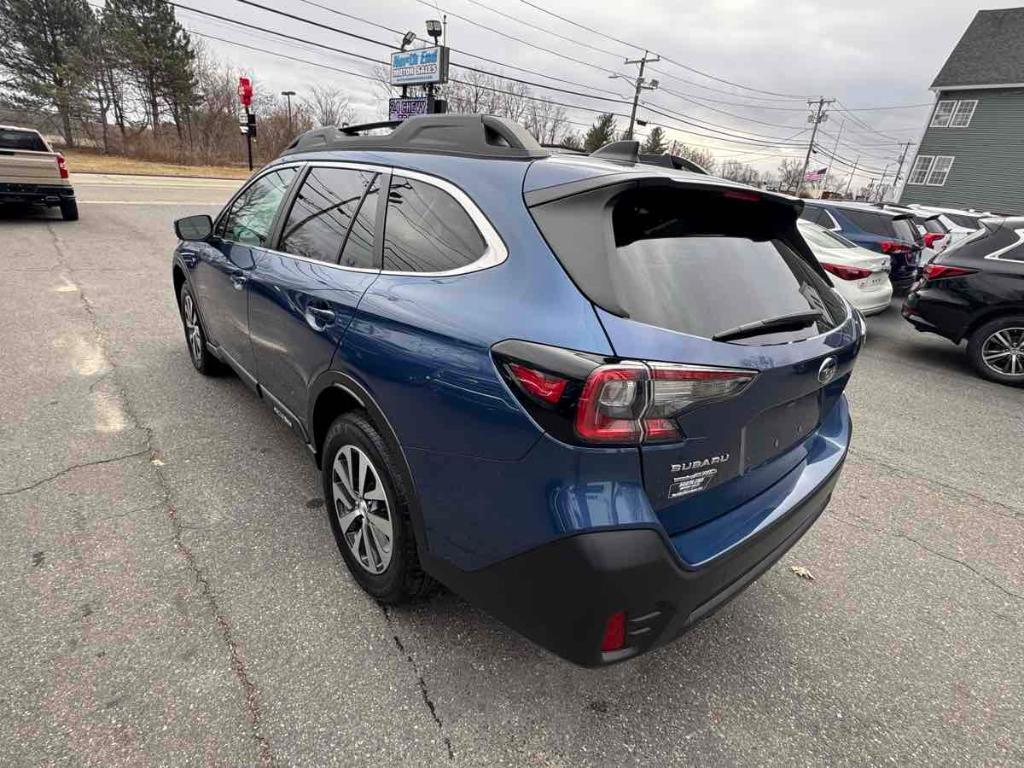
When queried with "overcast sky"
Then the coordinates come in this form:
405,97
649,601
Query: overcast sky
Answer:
866,53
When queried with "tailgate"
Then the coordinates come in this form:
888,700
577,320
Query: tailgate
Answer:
748,346
19,166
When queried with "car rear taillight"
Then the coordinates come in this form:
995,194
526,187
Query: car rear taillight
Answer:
614,637
62,166
894,246
547,388
588,399
937,272
930,238
846,273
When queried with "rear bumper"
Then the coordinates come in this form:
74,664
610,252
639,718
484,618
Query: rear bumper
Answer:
561,594
46,194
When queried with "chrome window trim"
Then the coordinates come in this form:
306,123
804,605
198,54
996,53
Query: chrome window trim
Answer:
495,254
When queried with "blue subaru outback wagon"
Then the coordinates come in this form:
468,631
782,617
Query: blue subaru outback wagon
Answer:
595,397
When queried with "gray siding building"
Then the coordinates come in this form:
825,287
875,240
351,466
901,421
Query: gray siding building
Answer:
972,152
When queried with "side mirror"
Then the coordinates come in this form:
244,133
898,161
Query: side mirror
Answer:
198,227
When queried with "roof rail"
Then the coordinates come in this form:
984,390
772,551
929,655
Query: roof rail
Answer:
619,152
464,135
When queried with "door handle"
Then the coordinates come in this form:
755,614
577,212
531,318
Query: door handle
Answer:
322,314
238,280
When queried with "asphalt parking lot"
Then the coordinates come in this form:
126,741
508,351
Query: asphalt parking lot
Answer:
172,593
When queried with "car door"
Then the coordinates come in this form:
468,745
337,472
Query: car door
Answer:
305,291
220,269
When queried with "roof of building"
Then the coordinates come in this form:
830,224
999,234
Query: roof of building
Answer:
991,52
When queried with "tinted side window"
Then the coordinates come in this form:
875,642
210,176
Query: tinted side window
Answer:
359,251
252,214
427,230
322,213
816,215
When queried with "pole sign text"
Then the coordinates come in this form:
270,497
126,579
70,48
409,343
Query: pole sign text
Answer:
400,109
420,67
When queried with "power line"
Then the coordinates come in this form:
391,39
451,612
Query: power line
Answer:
666,58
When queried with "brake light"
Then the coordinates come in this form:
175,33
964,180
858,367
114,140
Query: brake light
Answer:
930,238
540,385
614,632
894,246
613,400
937,272
62,166
738,194
634,402
846,273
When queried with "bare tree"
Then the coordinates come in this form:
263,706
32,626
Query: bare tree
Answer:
701,157
789,174
328,105
741,172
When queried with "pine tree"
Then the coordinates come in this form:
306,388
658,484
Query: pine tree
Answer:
601,132
45,59
656,143
156,52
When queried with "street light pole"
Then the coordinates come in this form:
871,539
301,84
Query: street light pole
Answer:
288,95
640,86
818,118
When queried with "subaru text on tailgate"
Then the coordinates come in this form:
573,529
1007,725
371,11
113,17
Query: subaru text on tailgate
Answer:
595,397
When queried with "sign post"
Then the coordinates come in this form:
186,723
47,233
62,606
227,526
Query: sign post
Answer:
245,96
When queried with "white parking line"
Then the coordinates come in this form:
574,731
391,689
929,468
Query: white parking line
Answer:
149,202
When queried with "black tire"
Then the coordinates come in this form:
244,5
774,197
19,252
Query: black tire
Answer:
988,340
195,335
402,578
69,210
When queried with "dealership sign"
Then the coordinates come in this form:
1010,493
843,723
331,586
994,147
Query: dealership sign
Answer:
399,109
420,67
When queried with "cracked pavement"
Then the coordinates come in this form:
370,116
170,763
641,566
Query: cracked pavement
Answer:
173,594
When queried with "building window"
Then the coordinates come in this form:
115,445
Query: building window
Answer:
940,171
963,114
943,113
922,167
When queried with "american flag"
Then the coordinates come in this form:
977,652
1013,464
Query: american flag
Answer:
816,175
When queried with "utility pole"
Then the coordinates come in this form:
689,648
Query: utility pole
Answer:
817,118
852,173
881,184
640,85
835,148
288,95
899,171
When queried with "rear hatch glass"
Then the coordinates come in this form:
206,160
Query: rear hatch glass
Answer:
674,273
23,140
692,261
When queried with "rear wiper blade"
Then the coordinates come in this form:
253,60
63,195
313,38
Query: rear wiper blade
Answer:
792,321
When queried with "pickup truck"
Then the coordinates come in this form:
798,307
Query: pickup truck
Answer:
31,173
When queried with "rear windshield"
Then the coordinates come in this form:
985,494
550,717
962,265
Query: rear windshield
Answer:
905,230
934,226
27,140
692,262
877,223
824,238
963,220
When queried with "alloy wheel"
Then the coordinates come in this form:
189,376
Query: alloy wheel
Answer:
1003,351
362,509
192,332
